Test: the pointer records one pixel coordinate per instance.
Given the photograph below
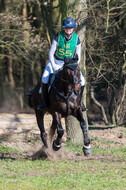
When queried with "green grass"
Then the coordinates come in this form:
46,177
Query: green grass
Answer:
4,150
74,147
61,175
105,171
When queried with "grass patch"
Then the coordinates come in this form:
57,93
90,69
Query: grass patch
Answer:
104,171
102,146
61,175
4,149
77,148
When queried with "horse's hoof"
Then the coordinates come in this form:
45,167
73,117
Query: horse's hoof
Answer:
87,150
55,146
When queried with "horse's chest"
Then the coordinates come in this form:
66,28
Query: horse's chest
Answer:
66,107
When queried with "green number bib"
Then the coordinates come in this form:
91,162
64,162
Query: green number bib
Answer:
66,48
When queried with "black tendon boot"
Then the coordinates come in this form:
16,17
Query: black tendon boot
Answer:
45,101
82,104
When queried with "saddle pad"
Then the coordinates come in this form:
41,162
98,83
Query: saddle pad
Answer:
40,90
51,78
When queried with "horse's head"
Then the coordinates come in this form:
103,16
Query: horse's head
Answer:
71,62
71,73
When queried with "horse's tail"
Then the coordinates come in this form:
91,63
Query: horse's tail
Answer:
29,95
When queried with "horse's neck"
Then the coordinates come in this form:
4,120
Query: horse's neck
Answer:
60,82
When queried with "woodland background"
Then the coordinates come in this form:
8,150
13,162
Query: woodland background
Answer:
27,28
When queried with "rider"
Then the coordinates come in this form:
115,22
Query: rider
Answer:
66,43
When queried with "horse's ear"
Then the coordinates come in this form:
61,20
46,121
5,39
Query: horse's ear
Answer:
76,58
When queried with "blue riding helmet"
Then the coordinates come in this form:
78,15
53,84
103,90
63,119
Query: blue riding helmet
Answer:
69,23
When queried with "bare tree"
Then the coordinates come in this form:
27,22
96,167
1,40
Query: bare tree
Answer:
105,55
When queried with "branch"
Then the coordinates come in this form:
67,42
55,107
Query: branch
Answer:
119,7
100,71
99,105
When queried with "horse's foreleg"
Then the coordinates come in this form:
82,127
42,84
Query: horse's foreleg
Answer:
40,117
53,128
87,147
60,131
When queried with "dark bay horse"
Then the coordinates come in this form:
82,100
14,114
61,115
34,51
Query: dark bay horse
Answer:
64,100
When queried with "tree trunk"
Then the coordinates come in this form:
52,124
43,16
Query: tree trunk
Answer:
10,76
10,71
77,10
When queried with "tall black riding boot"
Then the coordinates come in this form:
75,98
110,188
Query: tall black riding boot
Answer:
45,100
82,104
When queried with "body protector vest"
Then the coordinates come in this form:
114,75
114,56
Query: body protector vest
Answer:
66,48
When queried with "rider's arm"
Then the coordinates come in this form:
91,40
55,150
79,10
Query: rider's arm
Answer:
52,52
78,50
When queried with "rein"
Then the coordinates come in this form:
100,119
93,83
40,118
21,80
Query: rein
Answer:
65,98
66,80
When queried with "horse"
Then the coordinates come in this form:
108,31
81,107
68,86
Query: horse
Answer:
64,100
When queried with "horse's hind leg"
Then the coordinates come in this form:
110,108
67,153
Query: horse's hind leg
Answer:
87,148
60,132
40,122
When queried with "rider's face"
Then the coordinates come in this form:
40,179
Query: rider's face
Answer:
68,30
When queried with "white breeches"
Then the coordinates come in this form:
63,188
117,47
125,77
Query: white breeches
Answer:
59,64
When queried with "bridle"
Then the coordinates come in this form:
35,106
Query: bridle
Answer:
75,83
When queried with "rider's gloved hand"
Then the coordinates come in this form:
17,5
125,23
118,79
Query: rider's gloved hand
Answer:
71,60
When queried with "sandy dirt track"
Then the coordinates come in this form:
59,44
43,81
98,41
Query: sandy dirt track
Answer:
21,131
